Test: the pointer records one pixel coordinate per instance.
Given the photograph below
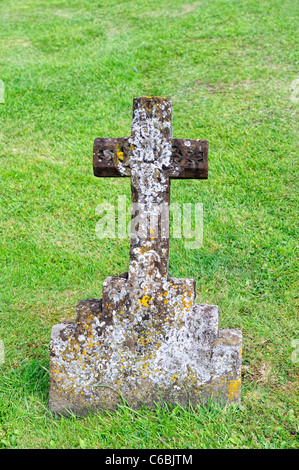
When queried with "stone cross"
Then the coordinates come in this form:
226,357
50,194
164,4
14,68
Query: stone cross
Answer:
151,157
145,340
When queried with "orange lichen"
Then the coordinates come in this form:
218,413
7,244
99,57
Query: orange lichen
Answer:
233,389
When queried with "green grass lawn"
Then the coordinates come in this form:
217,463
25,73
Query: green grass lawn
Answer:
71,71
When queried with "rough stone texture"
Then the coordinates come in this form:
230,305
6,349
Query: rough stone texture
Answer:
145,340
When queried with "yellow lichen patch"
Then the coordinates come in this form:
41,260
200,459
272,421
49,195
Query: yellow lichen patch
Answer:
174,377
186,304
145,300
143,249
233,389
119,154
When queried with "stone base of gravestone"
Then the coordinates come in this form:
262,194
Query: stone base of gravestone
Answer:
96,363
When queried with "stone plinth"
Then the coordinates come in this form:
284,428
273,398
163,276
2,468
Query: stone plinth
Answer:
101,358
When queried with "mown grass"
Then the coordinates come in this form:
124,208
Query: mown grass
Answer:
70,72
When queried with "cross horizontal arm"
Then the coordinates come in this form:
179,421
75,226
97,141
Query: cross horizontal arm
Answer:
189,159
108,154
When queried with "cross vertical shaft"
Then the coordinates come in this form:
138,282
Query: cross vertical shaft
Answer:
150,156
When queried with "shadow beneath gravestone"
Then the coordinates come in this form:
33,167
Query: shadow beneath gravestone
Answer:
34,379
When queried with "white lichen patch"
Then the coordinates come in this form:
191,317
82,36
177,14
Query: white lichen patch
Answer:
149,157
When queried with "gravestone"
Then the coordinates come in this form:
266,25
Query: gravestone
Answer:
145,340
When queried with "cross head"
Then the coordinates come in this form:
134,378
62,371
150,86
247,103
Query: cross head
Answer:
151,157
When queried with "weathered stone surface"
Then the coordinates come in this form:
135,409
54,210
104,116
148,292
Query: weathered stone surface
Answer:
101,357
145,340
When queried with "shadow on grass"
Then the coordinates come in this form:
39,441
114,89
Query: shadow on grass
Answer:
30,378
